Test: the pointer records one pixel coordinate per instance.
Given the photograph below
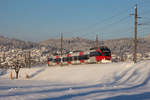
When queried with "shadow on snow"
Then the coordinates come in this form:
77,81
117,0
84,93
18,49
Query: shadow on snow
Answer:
68,96
37,72
142,96
97,91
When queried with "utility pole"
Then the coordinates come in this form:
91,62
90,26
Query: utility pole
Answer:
61,51
102,43
135,34
29,58
61,44
97,40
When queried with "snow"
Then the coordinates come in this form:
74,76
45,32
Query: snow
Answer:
111,81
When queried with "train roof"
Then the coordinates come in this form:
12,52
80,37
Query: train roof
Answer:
101,47
93,48
77,51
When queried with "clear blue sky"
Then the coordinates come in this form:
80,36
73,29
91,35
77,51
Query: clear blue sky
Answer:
38,20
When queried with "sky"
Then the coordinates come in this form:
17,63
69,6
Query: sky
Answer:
37,20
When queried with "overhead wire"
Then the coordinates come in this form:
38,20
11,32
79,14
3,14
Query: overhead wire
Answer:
108,26
98,23
146,12
107,19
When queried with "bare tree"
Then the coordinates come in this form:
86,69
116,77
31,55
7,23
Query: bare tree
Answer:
17,63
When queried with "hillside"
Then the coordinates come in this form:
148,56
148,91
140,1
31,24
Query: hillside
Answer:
120,46
117,46
16,43
69,43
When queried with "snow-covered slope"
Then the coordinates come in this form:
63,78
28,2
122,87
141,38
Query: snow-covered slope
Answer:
101,73
93,81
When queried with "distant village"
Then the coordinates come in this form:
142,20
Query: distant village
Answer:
36,56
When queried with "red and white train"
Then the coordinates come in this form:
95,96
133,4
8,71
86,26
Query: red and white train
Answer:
94,55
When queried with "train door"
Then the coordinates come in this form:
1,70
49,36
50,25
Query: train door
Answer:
69,58
86,57
76,59
64,60
80,57
92,57
50,61
57,60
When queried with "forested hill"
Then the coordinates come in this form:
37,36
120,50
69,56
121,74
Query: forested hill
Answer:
117,46
16,43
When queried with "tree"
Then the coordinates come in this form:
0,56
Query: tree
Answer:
17,64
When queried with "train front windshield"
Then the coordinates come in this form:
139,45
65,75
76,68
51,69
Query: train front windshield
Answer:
106,51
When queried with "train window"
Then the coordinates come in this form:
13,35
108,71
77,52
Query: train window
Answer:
104,49
96,53
92,54
69,58
80,57
64,59
50,59
57,60
99,53
75,58
54,60
83,57
107,53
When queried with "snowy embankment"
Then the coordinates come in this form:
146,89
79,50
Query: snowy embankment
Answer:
92,81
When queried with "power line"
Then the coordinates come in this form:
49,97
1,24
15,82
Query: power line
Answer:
102,21
108,26
109,18
127,33
145,12
97,45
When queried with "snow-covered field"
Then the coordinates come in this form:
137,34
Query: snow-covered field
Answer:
113,81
